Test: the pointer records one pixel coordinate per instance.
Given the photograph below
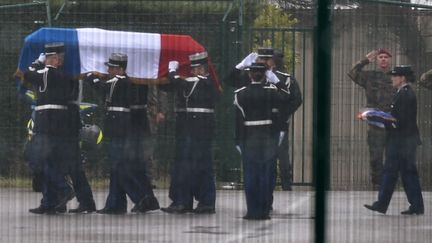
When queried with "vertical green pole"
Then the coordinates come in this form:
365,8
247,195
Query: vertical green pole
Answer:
322,91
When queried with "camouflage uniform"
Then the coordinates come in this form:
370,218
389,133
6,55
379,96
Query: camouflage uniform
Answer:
379,94
426,79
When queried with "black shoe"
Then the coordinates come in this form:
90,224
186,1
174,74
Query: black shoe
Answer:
111,211
263,217
43,210
145,205
413,211
375,207
61,209
179,209
83,209
204,210
64,199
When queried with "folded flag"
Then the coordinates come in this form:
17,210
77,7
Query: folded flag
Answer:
377,118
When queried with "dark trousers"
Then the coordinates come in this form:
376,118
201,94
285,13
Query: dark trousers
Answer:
285,166
125,178
401,157
80,183
376,138
50,155
259,162
192,174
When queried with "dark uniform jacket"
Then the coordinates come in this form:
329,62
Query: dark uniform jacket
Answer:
377,85
74,119
52,87
255,107
292,101
117,93
195,103
138,107
404,109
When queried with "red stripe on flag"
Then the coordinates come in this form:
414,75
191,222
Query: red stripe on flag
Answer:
178,48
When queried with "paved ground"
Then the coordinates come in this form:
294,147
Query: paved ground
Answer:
292,221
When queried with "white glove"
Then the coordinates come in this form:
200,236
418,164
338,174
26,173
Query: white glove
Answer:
173,66
271,77
281,136
247,61
238,149
41,59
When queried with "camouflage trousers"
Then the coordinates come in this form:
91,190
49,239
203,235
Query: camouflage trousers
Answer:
376,138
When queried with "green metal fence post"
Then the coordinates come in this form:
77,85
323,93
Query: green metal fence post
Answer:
321,111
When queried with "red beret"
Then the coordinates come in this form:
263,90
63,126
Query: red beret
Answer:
383,51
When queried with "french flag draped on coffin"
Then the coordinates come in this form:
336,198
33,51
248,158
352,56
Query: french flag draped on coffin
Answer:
86,50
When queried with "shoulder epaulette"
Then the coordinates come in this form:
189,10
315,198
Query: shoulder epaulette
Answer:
240,89
202,77
285,74
115,79
271,86
192,79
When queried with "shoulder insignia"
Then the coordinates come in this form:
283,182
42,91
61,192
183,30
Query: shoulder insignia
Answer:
238,90
285,74
192,79
115,79
44,70
271,86
202,77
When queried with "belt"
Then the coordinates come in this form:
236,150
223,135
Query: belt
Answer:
137,107
50,107
258,123
200,110
117,108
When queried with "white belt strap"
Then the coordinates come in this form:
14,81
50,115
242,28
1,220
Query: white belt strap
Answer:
50,107
116,108
137,107
258,123
199,110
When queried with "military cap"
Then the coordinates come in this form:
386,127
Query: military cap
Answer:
265,52
256,67
198,59
383,51
117,60
54,48
401,70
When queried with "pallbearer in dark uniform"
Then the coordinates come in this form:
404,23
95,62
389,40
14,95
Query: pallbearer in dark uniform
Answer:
192,174
138,142
401,145
50,148
117,128
80,183
257,138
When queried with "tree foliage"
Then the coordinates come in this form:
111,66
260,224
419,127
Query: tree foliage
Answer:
273,23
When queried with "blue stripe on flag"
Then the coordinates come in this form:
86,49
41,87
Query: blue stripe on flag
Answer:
34,45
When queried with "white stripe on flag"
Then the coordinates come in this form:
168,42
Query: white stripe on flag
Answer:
143,50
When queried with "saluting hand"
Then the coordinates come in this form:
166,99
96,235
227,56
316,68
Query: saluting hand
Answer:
371,56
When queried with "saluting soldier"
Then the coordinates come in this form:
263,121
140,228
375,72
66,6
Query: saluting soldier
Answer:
117,124
401,146
192,173
257,139
50,151
379,93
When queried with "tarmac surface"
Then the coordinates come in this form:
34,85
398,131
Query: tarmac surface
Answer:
292,221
